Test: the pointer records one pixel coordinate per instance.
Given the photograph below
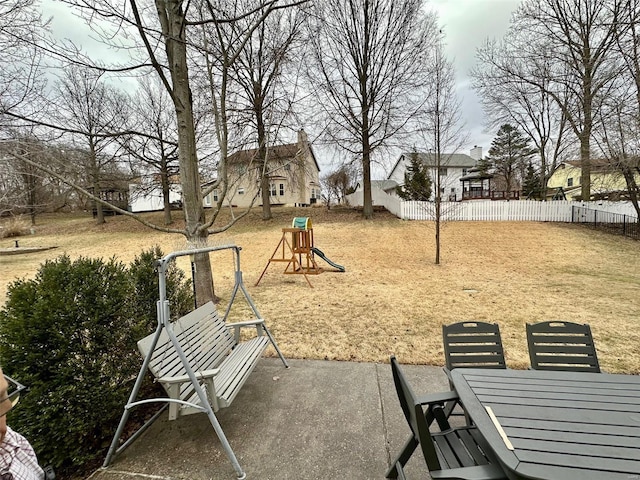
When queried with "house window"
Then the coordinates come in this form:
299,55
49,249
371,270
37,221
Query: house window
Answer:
282,189
464,172
443,172
240,191
272,187
453,190
215,195
569,182
207,200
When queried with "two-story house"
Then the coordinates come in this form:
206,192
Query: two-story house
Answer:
453,166
293,176
607,183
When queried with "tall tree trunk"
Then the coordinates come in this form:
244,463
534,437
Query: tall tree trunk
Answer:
95,178
438,200
265,184
585,163
585,137
265,193
632,186
166,191
438,197
174,31
367,210
543,172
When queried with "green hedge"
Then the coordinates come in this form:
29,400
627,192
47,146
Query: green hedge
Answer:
70,335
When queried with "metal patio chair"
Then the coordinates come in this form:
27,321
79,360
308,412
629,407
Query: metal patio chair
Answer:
451,453
559,345
472,344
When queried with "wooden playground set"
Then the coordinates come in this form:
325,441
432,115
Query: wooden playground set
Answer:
296,248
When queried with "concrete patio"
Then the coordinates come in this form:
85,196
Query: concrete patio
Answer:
314,421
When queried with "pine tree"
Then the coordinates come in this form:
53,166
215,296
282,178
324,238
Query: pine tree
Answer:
510,152
484,165
417,183
531,187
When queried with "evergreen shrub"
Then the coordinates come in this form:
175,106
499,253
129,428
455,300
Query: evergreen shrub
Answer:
69,335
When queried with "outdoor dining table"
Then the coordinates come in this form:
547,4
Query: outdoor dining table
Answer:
552,425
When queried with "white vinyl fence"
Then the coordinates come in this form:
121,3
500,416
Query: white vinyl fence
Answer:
493,211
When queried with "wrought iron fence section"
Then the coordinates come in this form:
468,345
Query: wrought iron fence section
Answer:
615,223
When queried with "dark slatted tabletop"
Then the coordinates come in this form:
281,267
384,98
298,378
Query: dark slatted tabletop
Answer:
556,425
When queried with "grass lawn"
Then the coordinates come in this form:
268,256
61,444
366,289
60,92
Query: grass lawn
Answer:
392,297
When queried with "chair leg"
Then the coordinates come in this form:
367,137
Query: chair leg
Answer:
401,475
436,412
402,459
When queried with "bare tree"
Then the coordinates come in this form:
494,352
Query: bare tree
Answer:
529,107
20,75
617,137
91,108
441,129
565,50
161,40
259,72
22,184
338,184
619,120
154,154
370,57
24,188
33,182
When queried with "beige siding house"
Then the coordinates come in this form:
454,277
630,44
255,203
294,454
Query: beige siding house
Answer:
293,174
606,182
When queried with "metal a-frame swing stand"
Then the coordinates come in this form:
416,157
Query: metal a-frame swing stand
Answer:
164,323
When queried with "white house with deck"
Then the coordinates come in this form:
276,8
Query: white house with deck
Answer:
453,166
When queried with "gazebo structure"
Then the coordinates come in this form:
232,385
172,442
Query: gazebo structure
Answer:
476,184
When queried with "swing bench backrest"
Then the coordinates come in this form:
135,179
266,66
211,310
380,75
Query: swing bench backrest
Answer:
211,346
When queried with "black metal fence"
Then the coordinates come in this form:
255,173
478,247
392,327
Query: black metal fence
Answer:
615,223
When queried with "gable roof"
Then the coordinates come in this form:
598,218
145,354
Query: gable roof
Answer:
458,160
276,152
384,184
381,184
461,160
598,165
476,173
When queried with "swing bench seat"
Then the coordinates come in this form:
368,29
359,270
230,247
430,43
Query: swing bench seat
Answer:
221,362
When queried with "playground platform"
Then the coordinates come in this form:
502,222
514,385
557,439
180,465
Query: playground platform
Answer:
318,420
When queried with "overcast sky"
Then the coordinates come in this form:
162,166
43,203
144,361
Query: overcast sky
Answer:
466,24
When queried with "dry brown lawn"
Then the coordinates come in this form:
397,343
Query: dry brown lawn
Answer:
392,297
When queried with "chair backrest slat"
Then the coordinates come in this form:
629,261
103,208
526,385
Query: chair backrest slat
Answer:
559,345
473,344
